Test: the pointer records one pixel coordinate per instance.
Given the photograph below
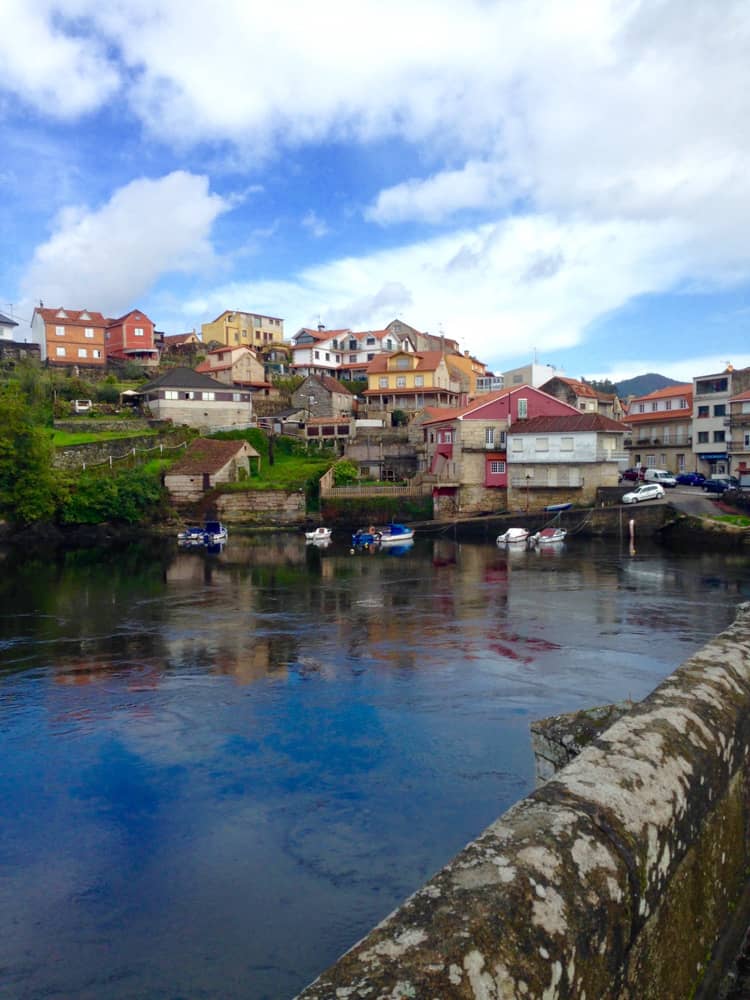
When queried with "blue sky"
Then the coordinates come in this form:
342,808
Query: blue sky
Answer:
570,181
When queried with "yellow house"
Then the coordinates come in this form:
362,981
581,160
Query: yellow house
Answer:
409,380
242,329
468,370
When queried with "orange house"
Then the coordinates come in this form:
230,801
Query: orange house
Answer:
70,336
131,338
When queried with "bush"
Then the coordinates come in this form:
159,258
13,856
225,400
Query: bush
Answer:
344,473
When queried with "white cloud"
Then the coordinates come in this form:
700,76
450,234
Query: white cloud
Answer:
108,258
682,369
314,224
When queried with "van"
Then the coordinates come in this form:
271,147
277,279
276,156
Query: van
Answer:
660,476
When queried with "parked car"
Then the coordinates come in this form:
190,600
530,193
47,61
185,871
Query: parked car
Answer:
716,486
646,491
660,476
631,475
82,406
690,479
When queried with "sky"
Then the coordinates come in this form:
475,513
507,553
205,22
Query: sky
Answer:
565,182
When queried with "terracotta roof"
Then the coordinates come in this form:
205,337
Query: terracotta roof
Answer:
207,455
320,334
183,378
331,384
659,415
580,388
668,392
576,422
427,361
175,339
72,317
119,319
740,397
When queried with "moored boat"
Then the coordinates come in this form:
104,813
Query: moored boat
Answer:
320,534
548,536
190,537
391,534
215,533
513,536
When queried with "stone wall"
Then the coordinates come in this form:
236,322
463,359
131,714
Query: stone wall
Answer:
261,507
621,878
78,456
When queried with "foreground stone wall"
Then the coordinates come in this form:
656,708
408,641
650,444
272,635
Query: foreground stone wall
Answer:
619,879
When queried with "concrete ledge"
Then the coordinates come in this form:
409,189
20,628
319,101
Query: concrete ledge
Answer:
618,878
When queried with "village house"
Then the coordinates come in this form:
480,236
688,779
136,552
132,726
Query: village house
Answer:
465,453
70,337
236,366
329,430
661,429
7,327
188,397
583,397
131,338
739,426
711,422
410,381
207,463
563,458
342,353
235,328
178,343
323,396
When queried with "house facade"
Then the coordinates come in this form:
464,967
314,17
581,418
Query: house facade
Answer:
323,396
7,327
465,451
712,432
661,429
238,366
206,464
563,459
70,337
131,338
178,343
411,381
329,430
583,397
342,353
739,425
188,397
236,328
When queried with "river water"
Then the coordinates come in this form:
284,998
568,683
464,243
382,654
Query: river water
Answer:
218,772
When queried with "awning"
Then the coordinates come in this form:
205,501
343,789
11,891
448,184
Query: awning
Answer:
712,456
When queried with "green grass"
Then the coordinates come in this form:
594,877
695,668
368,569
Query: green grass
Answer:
64,439
289,472
740,520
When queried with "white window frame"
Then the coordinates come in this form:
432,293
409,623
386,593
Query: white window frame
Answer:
209,396
171,394
60,331
497,468
138,331
89,332
60,352
523,408
82,352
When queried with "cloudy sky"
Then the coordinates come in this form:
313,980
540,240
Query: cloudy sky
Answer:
562,180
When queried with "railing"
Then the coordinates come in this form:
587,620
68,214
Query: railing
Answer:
133,457
415,488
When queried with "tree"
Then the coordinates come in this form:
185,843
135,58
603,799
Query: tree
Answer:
344,473
29,486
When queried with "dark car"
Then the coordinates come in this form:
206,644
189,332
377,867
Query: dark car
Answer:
690,479
632,475
716,486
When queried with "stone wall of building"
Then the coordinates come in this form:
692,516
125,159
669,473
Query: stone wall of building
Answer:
261,507
623,877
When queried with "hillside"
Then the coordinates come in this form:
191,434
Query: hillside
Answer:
641,385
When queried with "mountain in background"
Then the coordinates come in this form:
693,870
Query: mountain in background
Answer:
641,385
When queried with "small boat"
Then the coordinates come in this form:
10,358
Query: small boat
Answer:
192,536
215,533
548,536
391,534
555,507
320,534
513,536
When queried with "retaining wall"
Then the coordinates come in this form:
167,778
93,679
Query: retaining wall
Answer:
261,507
621,878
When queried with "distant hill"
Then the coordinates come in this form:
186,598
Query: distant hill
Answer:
642,385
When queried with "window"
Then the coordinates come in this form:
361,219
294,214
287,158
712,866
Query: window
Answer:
402,362
369,341
668,404
702,437
328,356
747,440
419,381
335,344
517,379
138,332
445,437
190,395
703,411
683,404
641,407
96,353
316,355
236,397
516,444
566,444
400,381
720,410
718,435
523,409
338,359
680,463
654,407
370,357
383,381
352,359
60,352
489,436
541,444
208,395
651,461
60,331
352,345
89,332
82,352
171,394
389,345
497,468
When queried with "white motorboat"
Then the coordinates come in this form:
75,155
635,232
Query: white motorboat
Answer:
320,534
548,536
513,536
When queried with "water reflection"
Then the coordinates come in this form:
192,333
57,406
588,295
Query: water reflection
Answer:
224,768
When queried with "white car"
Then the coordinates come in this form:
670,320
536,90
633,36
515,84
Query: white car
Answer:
646,491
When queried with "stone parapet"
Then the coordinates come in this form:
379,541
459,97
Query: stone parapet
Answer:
621,878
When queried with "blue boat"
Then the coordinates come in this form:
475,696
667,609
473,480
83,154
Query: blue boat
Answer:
558,506
391,534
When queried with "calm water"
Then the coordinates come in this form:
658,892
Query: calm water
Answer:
217,773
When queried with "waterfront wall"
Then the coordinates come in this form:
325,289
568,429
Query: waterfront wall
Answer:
261,508
623,877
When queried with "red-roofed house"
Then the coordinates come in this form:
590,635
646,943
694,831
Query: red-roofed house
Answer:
343,353
70,336
236,366
563,458
465,453
661,429
583,396
739,426
409,380
131,338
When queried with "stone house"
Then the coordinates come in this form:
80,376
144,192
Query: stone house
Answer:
464,451
188,397
236,366
661,429
323,396
562,459
207,463
583,396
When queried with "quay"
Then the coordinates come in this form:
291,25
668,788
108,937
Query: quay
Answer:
623,877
